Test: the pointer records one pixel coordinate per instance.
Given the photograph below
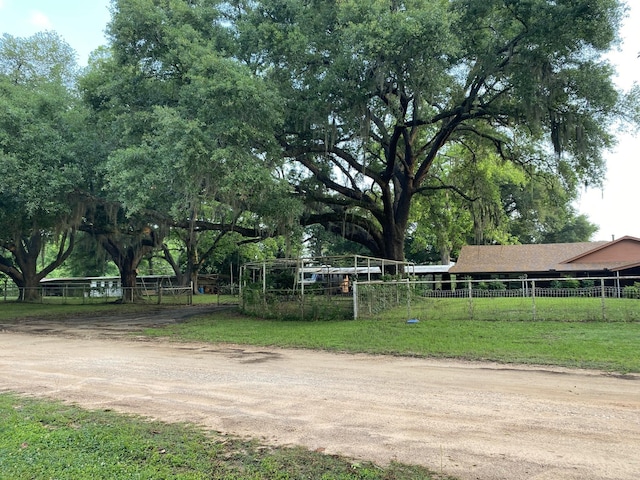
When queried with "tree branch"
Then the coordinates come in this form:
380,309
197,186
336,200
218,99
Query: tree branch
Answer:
355,228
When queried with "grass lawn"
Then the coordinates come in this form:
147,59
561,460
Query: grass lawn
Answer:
16,310
45,440
13,310
610,346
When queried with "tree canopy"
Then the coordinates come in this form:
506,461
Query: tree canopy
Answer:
191,128
376,91
41,133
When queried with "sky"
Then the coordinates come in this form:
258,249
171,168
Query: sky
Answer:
82,22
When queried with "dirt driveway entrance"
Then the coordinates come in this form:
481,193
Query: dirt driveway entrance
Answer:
472,420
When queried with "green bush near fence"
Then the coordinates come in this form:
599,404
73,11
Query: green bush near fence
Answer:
632,291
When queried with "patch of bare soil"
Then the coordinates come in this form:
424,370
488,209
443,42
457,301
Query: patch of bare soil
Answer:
471,420
110,325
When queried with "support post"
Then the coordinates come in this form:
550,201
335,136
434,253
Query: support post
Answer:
355,300
602,297
408,298
533,298
470,290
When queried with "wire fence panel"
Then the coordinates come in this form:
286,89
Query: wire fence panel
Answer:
591,299
10,293
75,294
289,304
373,298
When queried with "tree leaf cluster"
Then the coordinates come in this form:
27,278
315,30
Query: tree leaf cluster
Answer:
377,92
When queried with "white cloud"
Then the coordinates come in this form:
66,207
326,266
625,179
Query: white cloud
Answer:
39,20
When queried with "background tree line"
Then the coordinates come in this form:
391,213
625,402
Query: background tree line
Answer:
398,129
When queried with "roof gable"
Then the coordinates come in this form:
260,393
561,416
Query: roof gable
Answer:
625,249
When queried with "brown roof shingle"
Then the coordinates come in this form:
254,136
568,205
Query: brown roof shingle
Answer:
522,258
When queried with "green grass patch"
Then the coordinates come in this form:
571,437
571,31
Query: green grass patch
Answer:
11,311
213,299
52,306
609,346
43,439
18,310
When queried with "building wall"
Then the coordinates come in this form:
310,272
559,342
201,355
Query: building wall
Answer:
622,251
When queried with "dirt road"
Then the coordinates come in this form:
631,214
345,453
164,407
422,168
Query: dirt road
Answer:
472,420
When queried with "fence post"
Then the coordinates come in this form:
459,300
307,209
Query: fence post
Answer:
355,300
470,288
533,298
408,299
602,297
159,294
397,293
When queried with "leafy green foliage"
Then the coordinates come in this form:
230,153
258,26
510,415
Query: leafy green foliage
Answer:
87,260
378,94
42,58
195,126
502,203
191,129
632,291
41,133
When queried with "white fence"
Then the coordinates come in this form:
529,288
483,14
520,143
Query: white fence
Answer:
579,299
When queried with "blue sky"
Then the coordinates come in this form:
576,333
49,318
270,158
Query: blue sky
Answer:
80,22
614,208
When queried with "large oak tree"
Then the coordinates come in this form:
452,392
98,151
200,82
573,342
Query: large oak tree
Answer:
41,148
376,91
191,132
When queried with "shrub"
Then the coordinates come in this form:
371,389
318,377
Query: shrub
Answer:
632,291
565,283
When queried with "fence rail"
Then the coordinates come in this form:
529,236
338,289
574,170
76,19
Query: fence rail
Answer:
582,299
68,294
